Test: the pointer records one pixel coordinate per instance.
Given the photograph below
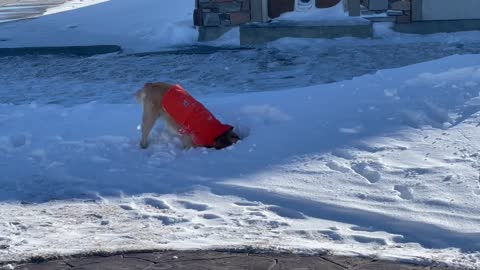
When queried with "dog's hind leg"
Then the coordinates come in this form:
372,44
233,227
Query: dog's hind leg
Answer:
187,142
148,121
174,129
140,95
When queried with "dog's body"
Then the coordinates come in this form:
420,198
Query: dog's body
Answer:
196,126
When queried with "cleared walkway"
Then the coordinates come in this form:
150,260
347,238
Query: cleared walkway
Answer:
198,260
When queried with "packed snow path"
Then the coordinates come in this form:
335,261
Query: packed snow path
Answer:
209,70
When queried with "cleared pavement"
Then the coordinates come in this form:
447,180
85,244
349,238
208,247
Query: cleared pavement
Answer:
197,260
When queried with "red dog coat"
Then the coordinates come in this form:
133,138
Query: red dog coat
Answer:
192,117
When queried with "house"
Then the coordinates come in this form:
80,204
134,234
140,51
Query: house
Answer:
433,16
236,12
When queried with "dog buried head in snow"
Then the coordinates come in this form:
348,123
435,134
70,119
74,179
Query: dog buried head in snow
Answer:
183,115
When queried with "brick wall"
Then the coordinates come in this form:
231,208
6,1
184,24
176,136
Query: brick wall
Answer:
221,12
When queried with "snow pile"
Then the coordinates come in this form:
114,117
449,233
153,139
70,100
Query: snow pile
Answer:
384,165
140,25
335,13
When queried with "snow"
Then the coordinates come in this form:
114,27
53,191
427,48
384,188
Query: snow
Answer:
385,165
146,25
335,13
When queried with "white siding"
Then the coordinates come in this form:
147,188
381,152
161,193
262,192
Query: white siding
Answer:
450,9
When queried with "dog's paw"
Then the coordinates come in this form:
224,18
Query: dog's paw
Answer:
143,145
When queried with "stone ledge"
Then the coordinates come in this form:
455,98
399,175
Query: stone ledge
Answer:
431,27
261,33
210,33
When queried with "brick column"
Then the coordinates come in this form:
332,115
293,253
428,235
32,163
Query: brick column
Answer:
221,12
353,8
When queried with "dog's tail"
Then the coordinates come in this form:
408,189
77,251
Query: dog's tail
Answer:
140,95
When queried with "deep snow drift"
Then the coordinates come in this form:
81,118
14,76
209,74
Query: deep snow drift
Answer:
384,165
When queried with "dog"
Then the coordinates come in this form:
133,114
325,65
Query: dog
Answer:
183,115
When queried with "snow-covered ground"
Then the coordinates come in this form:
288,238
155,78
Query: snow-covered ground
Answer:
140,25
384,165
284,64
